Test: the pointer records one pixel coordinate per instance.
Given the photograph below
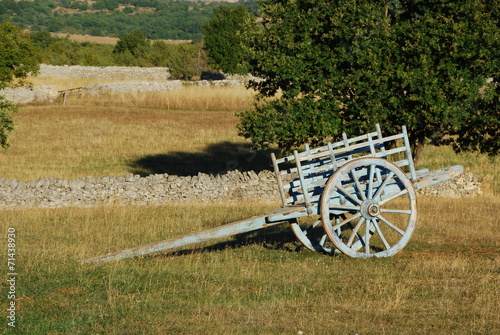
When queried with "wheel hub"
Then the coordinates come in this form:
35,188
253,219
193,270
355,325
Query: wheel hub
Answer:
370,209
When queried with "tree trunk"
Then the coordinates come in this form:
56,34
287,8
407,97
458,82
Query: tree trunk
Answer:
417,145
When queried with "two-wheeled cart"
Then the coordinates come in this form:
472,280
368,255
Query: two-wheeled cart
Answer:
355,196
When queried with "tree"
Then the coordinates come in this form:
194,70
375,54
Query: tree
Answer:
42,39
131,43
185,61
222,38
431,65
19,57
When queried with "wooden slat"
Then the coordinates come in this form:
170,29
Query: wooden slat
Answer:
409,156
279,180
301,178
351,147
314,166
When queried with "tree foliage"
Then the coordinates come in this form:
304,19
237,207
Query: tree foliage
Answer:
131,42
18,55
222,38
185,61
430,65
18,58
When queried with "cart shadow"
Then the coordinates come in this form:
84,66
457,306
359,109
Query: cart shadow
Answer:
216,159
272,238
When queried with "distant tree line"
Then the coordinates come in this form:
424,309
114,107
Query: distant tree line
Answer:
181,20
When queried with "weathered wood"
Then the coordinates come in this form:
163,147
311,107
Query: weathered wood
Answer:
314,169
437,176
279,179
231,229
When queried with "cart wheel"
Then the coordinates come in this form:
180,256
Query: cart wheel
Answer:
309,231
379,207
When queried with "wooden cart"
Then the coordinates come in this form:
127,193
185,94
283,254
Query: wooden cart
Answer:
356,196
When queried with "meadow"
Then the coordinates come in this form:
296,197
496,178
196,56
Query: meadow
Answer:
446,281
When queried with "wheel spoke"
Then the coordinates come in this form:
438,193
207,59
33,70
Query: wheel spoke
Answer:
346,208
355,232
400,211
355,216
312,236
311,227
397,195
322,240
384,184
361,241
401,232
358,186
339,231
370,182
350,203
367,236
316,223
380,234
348,195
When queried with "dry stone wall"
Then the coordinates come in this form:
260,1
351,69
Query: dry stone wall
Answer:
134,189
122,80
466,185
164,188
154,189
24,95
104,72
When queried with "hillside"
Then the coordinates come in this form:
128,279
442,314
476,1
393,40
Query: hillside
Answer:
157,19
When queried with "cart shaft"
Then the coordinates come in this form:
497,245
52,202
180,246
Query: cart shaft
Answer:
437,176
239,227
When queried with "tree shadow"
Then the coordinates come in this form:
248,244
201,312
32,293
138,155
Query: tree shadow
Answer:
215,159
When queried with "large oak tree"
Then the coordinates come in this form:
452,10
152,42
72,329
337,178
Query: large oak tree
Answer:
327,67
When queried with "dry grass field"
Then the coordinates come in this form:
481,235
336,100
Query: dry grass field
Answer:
446,281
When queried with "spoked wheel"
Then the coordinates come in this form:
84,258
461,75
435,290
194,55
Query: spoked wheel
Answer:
309,231
378,204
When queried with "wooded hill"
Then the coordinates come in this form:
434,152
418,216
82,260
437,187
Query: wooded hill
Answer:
157,19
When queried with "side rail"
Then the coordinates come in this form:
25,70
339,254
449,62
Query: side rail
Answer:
302,176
